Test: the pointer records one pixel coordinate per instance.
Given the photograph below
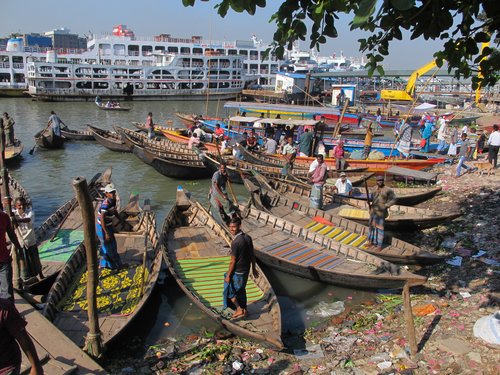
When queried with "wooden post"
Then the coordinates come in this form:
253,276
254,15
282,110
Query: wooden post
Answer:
410,326
93,341
17,254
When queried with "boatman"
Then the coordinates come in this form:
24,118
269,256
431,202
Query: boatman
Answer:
8,126
150,126
368,141
318,178
219,201
381,199
55,123
289,153
104,228
235,280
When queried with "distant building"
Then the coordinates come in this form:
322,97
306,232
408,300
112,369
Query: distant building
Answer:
62,38
37,40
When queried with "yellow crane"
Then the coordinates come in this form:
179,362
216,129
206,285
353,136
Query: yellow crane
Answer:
479,73
409,92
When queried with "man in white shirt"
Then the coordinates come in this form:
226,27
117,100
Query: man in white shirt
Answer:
441,135
270,146
343,185
465,130
199,132
494,145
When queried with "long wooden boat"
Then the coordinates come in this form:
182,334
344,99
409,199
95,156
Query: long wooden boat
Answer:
108,139
181,137
120,294
291,202
77,135
269,160
197,255
289,247
61,234
17,190
49,140
189,120
13,152
133,138
402,218
184,167
157,128
409,196
119,108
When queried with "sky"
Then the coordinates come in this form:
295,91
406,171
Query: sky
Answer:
154,17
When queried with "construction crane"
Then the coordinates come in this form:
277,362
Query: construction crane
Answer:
409,92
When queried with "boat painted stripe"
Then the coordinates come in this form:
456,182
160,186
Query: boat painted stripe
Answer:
299,253
311,225
277,245
308,254
350,238
325,262
336,263
341,236
318,260
327,229
335,232
284,254
290,246
359,241
310,257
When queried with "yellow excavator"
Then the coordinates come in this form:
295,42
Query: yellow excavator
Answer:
409,92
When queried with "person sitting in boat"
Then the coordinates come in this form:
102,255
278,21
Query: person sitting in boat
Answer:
270,146
194,141
109,104
200,133
252,140
343,185
104,229
55,123
219,132
98,100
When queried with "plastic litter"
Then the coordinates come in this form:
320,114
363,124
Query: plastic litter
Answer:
237,365
488,328
325,309
456,261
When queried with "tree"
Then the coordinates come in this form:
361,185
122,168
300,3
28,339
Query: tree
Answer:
462,25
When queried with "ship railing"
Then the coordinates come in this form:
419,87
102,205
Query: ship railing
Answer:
4,65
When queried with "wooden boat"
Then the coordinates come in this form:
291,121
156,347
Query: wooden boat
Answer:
118,108
49,140
189,120
77,135
401,218
269,160
289,247
13,152
184,167
181,137
157,128
197,255
291,202
61,234
408,196
110,140
120,295
133,138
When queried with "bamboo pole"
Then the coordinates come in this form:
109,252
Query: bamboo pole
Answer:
410,326
93,341
17,254
341,117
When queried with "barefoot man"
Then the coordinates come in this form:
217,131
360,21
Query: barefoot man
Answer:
235,281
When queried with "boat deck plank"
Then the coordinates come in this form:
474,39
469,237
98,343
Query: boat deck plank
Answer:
58,353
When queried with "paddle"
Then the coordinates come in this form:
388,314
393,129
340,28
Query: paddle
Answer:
38,138
147,210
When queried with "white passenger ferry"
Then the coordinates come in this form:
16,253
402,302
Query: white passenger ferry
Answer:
144,66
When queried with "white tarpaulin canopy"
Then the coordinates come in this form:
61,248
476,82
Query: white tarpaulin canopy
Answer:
424,107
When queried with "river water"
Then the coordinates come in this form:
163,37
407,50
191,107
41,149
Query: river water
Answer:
47,176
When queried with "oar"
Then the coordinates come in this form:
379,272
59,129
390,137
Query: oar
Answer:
38,138
368,196
147,210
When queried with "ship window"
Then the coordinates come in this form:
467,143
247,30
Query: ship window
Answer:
220,50
197,51
101,85
147,50
105,49
84,85
173,49
62,84
212,85
160,49
254,55
119,49
133,50
197,85
185,50
4,77
232,52
17,59
224,85
243,52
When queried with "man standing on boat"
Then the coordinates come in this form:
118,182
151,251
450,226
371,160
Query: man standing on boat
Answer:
318,178
305,143
404,139
150,126
368,141
104,228
55,123
289,152
235,280
381,199
219,200
339,154
8,125
6,287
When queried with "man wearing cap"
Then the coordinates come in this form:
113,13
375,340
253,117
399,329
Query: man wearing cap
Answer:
104,228
381,199
318,178
343,185
339,154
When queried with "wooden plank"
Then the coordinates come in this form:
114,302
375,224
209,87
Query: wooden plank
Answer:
63,353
